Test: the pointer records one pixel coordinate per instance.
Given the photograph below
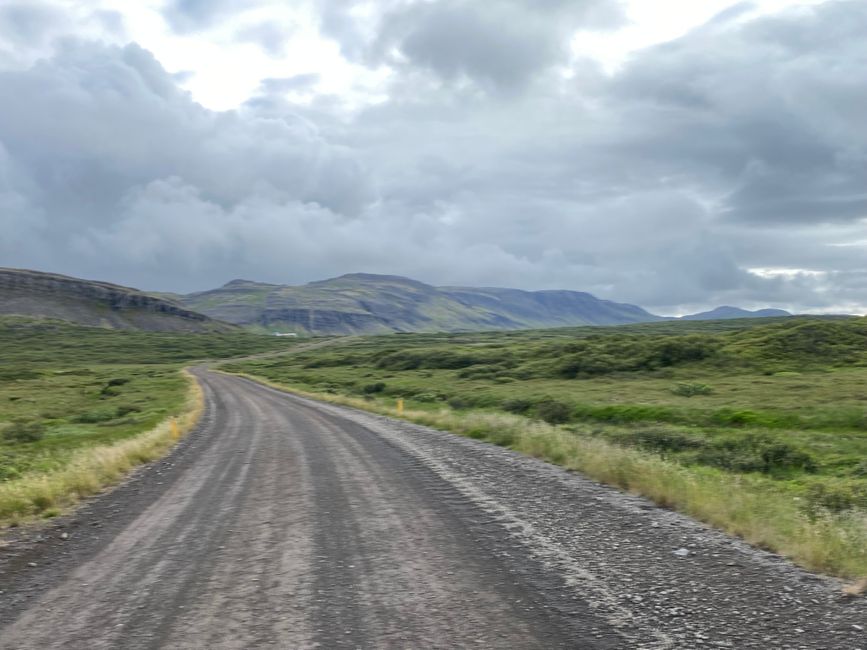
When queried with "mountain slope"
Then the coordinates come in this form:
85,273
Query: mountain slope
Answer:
362,303
726,312
86,302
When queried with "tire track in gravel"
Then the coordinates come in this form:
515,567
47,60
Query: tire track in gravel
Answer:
282,522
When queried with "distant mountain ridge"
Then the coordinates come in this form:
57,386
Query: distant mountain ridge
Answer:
726,312
100,304
356,303
363,303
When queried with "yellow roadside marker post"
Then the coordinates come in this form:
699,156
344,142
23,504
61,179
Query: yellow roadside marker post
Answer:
176,431
400,406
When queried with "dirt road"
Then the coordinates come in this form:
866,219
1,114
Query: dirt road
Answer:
285,523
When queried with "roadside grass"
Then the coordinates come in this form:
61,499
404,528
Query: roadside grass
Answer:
83,406
91,468
755,508
760,430
80,406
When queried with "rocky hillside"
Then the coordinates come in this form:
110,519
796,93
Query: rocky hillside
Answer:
46,295
363,303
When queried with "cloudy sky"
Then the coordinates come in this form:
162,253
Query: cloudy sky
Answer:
678,154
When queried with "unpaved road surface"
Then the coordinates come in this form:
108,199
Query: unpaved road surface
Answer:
285,523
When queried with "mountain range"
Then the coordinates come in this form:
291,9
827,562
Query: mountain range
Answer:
728,313
361,303
357,303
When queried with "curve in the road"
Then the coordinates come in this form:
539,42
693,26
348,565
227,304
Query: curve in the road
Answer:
286,523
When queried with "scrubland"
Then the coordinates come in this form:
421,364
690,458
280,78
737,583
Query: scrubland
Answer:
757,427
80,406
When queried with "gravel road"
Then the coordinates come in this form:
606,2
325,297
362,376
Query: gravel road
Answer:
285,523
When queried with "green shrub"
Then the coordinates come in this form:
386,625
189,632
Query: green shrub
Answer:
756,453
860,469
426,398
553,412
24,431
664,442
13,374
369,389
599,355
458,403
435,359
836,496
118,381
625,413
517,405
691,389
95,417
126,409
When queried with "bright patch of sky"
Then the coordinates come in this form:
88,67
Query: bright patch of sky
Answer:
658,21
222,71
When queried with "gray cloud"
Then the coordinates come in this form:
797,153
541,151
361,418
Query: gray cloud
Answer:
29,23
458,39
271,37
499,45
194,15
739,146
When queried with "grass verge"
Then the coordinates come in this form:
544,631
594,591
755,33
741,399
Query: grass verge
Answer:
752,507
91,469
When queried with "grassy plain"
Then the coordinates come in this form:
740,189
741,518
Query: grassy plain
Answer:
759,427
93,400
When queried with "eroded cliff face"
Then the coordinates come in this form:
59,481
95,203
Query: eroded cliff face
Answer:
33,293
323,321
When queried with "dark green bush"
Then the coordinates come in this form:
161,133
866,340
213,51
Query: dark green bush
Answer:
434,359
94,417
24,431
16,373
860,469
730,417
624,413
756,453
835,496
458,403
664,442
377,387
599,355
126,409
517,405
684,389
553,412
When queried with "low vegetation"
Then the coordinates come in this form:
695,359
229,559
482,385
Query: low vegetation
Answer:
79,406
759,428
